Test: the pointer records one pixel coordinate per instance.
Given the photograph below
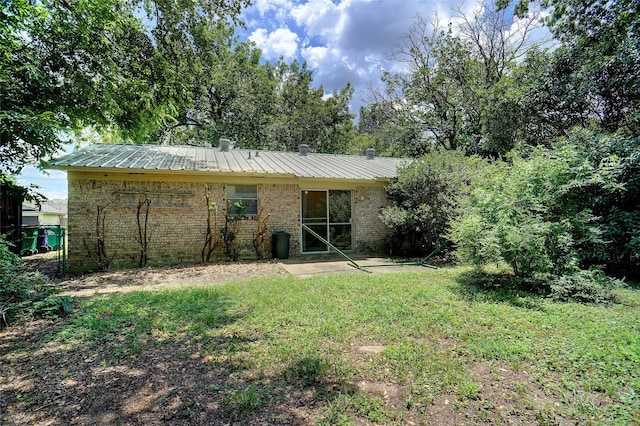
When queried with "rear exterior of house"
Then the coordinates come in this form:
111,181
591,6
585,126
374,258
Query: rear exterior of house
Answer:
337,196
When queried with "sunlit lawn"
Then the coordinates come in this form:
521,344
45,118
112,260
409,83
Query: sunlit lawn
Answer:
434,329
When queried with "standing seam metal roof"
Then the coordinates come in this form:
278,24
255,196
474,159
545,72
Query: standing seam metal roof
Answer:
241,161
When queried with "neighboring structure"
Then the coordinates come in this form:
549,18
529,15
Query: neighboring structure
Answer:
50,213
11,214
337,196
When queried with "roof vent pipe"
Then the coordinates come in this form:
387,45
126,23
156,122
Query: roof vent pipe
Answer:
303,149
370,153
224,144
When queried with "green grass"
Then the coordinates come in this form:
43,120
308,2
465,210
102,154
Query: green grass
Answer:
435,327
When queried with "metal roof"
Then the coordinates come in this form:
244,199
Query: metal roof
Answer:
189,159
51,207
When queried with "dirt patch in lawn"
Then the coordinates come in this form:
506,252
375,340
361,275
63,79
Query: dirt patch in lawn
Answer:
126,280
170,383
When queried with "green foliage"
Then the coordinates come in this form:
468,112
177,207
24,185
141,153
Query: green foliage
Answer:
457,92
25,295
488,89
151,71
123,67
302,115
591,286
527,215
263,106
546,215
614,199
593,78
425,197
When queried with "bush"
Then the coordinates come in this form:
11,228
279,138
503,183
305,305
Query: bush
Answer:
535,215
589,286
25,294
613,197
526,215
425,198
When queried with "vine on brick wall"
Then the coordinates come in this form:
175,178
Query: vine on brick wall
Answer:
211,240
142,220
260,234
230,230
100,257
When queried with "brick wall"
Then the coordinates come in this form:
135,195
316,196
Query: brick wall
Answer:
370,231
177,218
283,202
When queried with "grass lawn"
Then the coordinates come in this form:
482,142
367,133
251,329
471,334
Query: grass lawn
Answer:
403,348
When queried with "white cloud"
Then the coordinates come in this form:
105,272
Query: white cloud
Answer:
264,6
341,40
321,18
281,42
316,56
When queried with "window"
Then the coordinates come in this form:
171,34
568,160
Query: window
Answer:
245,194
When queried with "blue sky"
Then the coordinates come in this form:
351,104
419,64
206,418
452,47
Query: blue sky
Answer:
341,41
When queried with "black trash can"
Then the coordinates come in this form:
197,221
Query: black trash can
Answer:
42,243
280,245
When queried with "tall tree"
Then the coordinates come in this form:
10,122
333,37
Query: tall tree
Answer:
264,105
594,77
451,76
304,115
112,64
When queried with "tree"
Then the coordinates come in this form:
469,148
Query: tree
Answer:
536,214
597,69
389,123
616,207
232,95
264,105
303,115
450,91
115,65
425,199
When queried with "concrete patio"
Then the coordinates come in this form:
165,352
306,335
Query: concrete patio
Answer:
314,265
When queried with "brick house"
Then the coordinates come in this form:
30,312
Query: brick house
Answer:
338,196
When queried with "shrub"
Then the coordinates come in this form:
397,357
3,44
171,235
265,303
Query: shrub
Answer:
528,214
25,294
591,286
613,197
424,199
535,214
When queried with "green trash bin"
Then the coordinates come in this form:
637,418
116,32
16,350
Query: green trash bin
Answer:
29,236
54,237
280,246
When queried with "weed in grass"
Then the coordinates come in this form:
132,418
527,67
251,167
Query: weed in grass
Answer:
468,390
238,403
370,407
545,416
521,389
336,412
308,370
419,398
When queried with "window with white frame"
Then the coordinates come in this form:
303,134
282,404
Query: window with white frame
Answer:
243,197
